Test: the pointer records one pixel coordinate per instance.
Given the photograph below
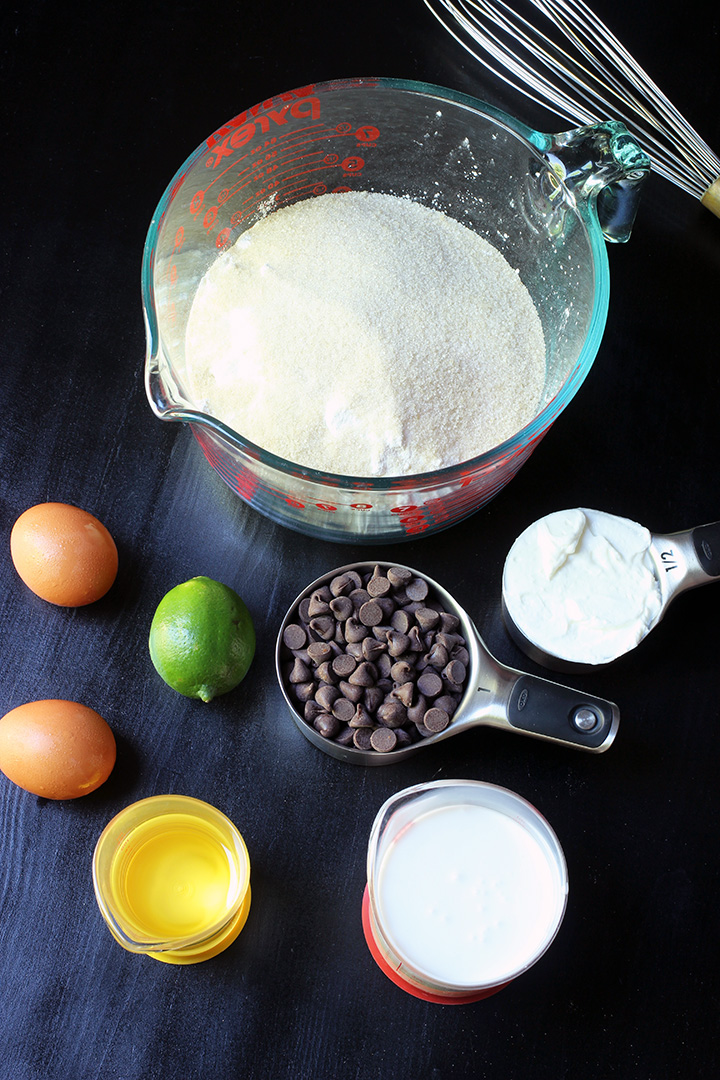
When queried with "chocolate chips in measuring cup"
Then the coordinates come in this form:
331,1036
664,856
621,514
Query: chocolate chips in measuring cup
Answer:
374,661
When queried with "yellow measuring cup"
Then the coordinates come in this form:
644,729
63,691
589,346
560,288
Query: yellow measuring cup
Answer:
172,879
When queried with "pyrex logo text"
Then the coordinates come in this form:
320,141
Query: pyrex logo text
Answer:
239,131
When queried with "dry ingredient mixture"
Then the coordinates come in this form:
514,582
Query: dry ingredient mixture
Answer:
368,335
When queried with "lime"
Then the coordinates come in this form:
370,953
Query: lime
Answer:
202,638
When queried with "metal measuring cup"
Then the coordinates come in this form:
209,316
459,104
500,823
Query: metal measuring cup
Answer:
681,560
494,695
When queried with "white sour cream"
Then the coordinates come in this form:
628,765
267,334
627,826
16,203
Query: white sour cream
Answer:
468,896
582,586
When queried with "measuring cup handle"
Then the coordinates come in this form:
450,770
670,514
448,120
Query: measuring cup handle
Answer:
706,541
551,711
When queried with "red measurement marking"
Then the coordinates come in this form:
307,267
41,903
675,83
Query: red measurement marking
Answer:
367,134
179,239
245,132
269,103
246,485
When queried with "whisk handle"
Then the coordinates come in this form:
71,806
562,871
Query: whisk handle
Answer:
711,198
604,166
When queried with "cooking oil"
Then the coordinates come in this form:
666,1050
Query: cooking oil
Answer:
172,879
177,878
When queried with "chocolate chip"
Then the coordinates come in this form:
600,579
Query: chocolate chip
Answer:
342,585
405,693
311,710
354,630
402,672
436,720
294,636
449,624
326,674
326,725
351,692
342,607
383,663
362,738
372,648
460,653
373,697
446,702
378,585
344,665
326,695
318,651
383,740
417,589
418,709
398,576
392,714
303,612
371,613
319,604
427,618
397,642
455,673
360,717
437,657
345,736
343,709
365,674
400,621
323,626
430,684
300,673
304,691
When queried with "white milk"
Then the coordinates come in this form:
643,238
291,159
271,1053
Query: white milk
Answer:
467,895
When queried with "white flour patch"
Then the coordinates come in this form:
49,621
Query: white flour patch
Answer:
367,335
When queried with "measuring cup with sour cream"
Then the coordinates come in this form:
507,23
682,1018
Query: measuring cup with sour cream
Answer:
583,587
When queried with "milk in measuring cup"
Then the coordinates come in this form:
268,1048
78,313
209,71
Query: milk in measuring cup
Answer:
466,895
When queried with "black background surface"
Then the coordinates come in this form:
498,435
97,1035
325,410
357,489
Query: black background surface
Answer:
101,103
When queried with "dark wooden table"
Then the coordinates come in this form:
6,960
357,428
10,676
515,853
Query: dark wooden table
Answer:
101,103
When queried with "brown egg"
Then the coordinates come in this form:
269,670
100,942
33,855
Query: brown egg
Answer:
64,554
57,749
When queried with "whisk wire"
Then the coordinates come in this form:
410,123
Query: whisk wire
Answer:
600,80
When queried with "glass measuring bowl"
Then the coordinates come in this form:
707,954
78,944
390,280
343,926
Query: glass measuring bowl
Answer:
466,889
548,203
172,879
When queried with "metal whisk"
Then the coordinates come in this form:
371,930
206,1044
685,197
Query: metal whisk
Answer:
601,81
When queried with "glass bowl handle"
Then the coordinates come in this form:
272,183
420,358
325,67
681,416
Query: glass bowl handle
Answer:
603,165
